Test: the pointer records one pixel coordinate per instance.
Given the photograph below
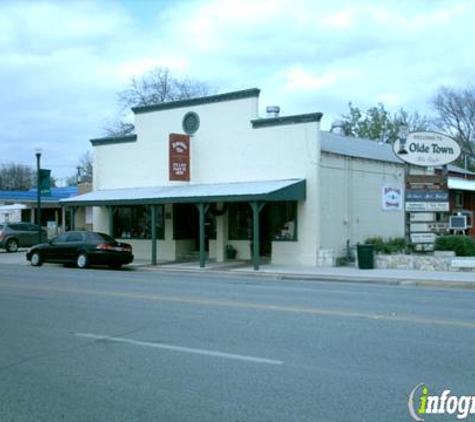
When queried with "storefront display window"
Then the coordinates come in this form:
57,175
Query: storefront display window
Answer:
278,221
240,221
135,222
283,218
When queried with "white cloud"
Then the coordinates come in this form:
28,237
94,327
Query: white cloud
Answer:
301,79
62,63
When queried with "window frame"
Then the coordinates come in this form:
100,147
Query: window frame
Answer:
123,229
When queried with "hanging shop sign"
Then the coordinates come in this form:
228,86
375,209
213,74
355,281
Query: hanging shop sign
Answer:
426,181
427,195
179,157
428,149
427,206
427,200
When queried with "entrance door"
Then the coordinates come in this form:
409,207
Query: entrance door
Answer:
186,226
186,223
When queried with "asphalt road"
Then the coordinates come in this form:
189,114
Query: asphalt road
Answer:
136,345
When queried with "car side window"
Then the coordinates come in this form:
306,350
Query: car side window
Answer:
74,237
17,227
61,238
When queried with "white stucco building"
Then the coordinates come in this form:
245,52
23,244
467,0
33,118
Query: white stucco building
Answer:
208,174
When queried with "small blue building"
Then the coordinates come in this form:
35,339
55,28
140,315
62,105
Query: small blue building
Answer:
22,206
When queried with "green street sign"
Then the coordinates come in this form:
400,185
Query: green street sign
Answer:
45,182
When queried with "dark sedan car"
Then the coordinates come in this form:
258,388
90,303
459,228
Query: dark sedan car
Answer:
82,248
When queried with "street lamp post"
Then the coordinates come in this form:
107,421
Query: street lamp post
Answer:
38,192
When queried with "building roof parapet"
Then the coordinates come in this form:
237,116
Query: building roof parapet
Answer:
229,96
286,120
110,140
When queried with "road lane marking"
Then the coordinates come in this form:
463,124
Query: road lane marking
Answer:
249,305
174,348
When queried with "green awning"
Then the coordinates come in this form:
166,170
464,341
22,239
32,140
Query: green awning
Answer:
271,190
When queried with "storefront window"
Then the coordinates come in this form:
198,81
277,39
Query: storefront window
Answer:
135,222
278,221
240,221
283,219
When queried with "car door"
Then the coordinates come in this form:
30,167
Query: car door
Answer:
55,250
20,233
70,248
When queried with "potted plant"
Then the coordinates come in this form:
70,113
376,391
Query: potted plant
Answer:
231,252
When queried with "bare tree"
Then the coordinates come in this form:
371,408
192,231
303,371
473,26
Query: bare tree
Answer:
155,87
16,177
118,128
456,116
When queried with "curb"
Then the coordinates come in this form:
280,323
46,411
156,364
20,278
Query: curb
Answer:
389,281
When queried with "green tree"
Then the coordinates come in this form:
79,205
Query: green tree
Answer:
378,124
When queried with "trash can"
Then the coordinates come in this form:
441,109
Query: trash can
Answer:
365,255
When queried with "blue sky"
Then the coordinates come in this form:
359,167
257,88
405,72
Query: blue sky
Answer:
63,62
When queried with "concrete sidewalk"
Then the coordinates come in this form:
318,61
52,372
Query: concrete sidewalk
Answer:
455,279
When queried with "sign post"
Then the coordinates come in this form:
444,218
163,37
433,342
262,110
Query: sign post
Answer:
427,195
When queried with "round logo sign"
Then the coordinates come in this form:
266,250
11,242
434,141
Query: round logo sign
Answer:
191,123
428,149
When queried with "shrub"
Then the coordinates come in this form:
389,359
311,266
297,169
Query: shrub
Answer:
461,245
390,246
343,261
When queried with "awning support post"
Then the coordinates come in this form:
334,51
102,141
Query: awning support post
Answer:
202,208
153,210
256,209
63,219
110,211
72,215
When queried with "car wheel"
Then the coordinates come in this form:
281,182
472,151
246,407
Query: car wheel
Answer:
82,261
36,259
12,245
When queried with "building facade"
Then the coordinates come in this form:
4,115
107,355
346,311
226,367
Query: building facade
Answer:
208,176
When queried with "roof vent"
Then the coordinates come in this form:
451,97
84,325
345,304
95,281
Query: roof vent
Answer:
338,128
273,111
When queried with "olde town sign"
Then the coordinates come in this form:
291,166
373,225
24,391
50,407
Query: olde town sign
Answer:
428,149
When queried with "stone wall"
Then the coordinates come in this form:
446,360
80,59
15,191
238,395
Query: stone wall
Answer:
439,261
